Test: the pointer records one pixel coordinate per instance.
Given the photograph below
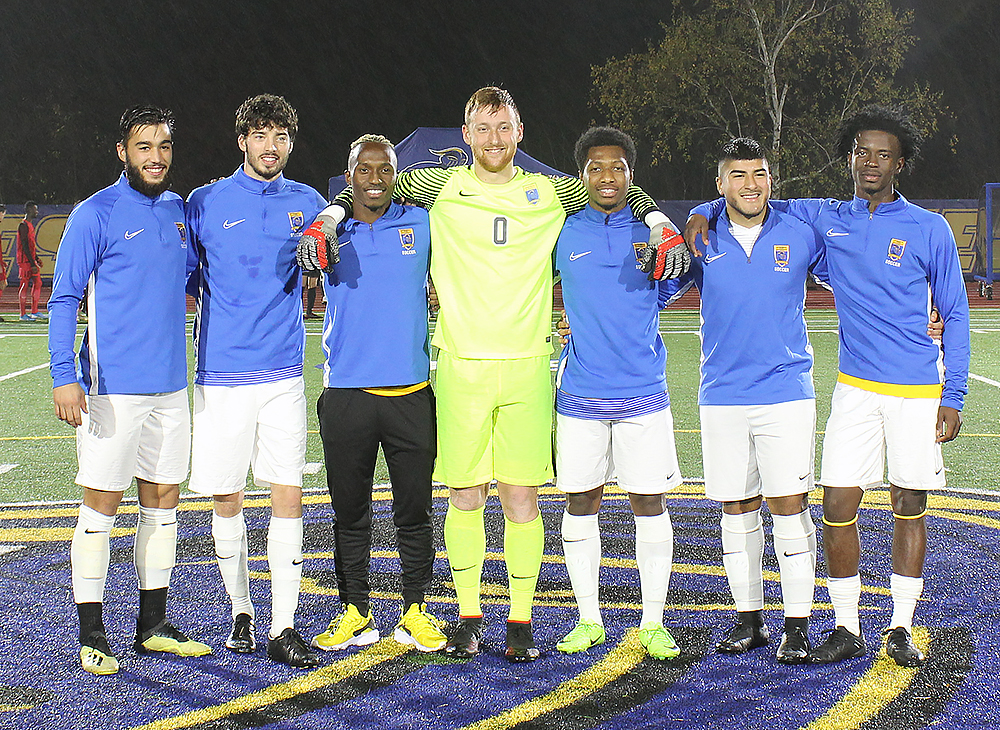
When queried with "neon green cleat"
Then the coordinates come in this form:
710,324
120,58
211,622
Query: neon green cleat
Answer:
96,656
169,639
420,629
657,641
348,628
584,636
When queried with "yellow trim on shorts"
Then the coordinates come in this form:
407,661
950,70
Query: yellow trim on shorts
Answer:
397,390
839,524
902,391
910,517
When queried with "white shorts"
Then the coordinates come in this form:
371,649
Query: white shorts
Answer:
125,436
640,451
752,451
261,426
867,429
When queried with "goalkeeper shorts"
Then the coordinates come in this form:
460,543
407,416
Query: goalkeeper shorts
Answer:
494,421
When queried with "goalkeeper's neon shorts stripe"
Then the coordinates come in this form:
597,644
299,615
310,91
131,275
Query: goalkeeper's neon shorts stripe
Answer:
494,421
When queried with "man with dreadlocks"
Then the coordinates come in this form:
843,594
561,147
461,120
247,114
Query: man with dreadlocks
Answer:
888,259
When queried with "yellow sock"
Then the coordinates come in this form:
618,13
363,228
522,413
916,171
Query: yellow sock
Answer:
465,541
523,544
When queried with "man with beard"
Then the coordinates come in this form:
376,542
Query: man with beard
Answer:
249,394
128,402
29,265
494,227
887,260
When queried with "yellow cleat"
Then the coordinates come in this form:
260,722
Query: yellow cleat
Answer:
96,656
348,628
167,638
420,629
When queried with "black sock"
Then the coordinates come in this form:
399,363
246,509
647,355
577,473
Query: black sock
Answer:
152,608
91,619
796,623
750,618
310,299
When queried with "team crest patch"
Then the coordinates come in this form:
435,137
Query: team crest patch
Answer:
896,248
407,241
531,193
296,220
183,231
781,257
638,246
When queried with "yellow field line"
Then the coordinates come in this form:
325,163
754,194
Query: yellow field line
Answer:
621,659
879,686
379,653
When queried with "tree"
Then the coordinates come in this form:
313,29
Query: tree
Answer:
786,72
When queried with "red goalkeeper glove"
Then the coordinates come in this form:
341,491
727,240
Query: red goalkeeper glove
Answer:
666,256
318,248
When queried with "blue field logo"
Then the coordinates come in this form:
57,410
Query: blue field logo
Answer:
896,249
296,220
183,231
531,193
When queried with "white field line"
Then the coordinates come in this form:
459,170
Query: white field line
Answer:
8,376
981,379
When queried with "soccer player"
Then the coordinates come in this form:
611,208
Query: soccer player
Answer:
29,265
128,402
612,407
378,392
494,227
757,402
887,260
249,395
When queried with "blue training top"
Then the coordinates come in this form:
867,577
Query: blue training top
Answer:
244,231
615,351
754,346
129,250
375,329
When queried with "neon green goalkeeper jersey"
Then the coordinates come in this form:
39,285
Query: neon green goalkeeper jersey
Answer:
491,255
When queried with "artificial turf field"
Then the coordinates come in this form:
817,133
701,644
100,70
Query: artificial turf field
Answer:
382,686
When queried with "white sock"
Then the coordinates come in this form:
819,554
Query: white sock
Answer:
845,595
90,555
230,535
795,546
905,592
155,547
581,536
654,554
284,558
742,553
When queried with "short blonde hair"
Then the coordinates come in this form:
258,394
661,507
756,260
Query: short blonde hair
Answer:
356,145
492,98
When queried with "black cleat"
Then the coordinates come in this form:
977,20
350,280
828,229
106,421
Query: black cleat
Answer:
290,649
901,649
839,645
794,647
520,644
743,637
242,640
467,638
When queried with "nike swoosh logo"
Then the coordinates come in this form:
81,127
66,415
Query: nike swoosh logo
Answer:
670,476
227,225
792,555
93,532
710,259
804,477
832,232
297,562
939,471
464,194
224,557
130,236
574,256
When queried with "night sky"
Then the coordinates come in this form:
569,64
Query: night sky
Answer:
70,68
